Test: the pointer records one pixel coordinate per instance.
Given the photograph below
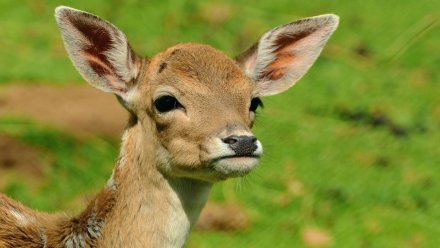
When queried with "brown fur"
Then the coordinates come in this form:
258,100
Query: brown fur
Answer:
44,230
170,159
121,207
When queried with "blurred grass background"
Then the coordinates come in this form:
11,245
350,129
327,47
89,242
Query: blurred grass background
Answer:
352,152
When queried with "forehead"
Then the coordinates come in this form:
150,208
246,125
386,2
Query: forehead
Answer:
200,68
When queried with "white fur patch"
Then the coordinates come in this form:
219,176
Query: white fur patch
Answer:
111,183
75,241
43,238
218,149
21,219
94,227
187,200
83,238
234,166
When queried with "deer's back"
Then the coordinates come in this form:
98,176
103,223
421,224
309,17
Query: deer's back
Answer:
23,227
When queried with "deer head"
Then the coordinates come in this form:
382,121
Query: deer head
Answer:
196,106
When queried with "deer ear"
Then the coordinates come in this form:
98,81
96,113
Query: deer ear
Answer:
99,51
284,54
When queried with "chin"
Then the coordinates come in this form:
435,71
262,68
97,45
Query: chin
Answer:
217,170
235,166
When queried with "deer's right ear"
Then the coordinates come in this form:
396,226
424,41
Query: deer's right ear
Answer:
99,51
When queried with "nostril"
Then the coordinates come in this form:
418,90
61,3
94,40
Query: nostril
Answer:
242,145
231,140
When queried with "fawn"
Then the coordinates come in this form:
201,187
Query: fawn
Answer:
191,109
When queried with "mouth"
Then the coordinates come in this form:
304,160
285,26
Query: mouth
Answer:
237,157
235,165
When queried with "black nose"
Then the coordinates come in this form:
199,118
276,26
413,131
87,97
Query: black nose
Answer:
242,145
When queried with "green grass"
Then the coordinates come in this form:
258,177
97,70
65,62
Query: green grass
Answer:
76,166
368,184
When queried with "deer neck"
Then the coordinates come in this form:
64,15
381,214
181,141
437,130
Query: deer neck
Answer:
151,208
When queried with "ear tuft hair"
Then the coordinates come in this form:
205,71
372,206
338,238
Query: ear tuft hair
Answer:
99,51
284,54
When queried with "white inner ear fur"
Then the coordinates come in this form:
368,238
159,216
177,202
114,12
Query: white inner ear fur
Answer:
276,67
121,57
117,70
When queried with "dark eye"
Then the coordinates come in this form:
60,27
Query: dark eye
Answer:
166,103
255,103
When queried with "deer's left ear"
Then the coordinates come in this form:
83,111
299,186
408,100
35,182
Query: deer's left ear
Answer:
284,54
99,51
